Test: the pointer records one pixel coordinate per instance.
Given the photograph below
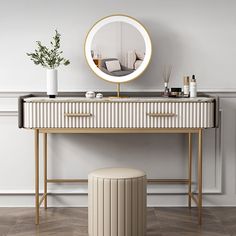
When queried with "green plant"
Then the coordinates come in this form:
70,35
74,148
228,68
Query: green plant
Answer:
49,57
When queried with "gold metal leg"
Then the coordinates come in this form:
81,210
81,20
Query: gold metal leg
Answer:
45,154
200,177
118,90
36,150
189,169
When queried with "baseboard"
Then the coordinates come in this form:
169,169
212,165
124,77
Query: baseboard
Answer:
162,191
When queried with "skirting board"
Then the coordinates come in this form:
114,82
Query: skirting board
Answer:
81,201
162,191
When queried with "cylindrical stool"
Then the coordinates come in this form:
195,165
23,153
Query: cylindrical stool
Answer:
117,202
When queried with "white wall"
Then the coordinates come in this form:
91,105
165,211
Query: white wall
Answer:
195,36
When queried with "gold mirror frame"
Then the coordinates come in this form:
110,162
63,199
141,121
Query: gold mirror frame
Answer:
148,49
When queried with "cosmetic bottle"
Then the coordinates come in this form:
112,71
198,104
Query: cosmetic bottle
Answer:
193,87
186,86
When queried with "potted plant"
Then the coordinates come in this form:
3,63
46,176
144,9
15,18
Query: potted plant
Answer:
50,58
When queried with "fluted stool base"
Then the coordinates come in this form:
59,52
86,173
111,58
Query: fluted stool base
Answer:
117,202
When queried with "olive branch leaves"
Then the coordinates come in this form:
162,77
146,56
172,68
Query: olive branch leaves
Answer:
50,58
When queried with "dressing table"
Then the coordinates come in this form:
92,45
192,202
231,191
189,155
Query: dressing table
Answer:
134,113
118,115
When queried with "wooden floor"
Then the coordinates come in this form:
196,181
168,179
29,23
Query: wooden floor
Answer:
161,222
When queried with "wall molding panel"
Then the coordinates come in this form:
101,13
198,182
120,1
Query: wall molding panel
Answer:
8,108
175,41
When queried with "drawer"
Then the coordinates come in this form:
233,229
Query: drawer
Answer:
71,115
166,115
180,115
118,114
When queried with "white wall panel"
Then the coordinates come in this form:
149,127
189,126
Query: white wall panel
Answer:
184,34
74,156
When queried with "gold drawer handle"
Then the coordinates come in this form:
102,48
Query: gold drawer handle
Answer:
161,114
78,114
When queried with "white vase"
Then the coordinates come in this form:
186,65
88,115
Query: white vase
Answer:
52,83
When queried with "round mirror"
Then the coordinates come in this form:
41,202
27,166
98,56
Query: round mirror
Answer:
118,48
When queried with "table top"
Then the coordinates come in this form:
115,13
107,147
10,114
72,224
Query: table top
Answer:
117,99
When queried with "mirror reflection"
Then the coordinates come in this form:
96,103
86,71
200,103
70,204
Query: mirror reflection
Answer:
118,49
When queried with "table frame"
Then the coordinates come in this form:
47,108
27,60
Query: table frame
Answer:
189,131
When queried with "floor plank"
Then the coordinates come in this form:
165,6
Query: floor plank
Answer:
160,222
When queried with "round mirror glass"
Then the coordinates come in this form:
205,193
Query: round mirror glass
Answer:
118,48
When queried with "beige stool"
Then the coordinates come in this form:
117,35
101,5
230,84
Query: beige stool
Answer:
117,202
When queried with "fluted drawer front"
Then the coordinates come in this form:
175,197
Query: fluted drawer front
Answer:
117,207
118,114
70,115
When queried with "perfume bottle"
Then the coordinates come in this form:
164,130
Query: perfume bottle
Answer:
186,86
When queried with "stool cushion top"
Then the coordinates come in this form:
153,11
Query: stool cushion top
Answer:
117,173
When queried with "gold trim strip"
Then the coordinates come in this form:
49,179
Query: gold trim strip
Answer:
161,114
67,181
168,181
78,114
119,130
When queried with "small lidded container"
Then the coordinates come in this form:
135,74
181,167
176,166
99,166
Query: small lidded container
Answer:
90,94
176,92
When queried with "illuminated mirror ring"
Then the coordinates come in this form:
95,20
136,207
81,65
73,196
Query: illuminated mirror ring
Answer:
89,49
